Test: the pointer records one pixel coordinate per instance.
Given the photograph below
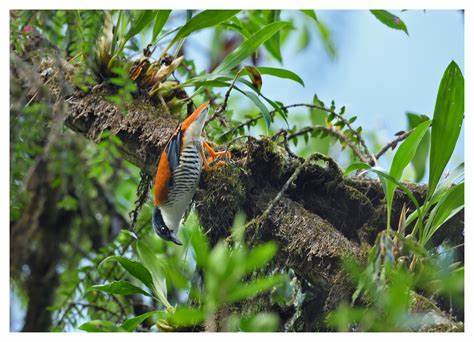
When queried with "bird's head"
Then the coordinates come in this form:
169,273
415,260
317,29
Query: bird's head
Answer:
193,125
162,229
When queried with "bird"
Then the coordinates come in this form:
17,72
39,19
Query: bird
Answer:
178,172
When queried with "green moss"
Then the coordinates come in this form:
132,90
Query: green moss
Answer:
220,188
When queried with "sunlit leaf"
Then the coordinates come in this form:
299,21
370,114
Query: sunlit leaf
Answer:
200,245
186,316
100,326
259,256
261,322
132,323
447,121
133,267
120,287
254,288
155,265
404,155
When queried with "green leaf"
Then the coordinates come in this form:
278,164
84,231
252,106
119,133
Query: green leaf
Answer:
261,322
100,326
272,103
160,21
237,25
132,323
273,44
254,287
323,32
447,122
311,14
407,149
200,245
137,25
254,98
186,317
419,161
249,46
118,32
281,73
134,268
447,207
120,287
203,20
259,256
404,155
390,20
155,265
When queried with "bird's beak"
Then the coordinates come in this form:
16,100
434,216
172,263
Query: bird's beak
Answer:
175,239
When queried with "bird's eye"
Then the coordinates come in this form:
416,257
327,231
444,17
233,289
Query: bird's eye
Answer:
163,230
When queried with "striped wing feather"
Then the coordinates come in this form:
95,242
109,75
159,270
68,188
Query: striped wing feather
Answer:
169,161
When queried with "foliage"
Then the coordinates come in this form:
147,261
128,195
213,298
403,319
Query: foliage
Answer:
223,268
110,279
399,265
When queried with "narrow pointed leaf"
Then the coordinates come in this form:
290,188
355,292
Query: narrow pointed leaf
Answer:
249,46
447,121
447,207
132,323
160,21
281,73
120,287
419,161
133,267
154,264
254,288
143,19
203,20
100,326
266,114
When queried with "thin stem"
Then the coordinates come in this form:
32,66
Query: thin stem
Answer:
223,107
392,144
368,156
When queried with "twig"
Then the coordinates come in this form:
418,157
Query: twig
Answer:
48,80
122,308
285,187
96,307
369,157
223,107
68,297
392,144
337,134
